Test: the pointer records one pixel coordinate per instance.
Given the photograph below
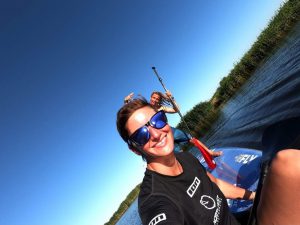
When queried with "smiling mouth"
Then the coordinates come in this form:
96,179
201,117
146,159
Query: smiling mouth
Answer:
162,142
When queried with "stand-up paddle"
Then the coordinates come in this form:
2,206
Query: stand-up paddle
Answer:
203,149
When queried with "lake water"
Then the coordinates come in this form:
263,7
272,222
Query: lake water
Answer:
271,95
131,217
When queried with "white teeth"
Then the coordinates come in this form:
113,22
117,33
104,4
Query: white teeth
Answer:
162,142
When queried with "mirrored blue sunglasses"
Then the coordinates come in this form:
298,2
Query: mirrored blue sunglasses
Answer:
142,135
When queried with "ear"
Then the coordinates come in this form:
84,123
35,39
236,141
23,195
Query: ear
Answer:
135,150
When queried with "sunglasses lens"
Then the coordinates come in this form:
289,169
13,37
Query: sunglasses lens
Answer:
159,120
141,136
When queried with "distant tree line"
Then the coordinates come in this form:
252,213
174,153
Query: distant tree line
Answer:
124,206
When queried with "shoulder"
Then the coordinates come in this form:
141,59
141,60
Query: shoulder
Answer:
164,108
167,109
187,157
154,185
190,162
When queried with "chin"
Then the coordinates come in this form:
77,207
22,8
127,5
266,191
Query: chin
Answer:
168,149
164,151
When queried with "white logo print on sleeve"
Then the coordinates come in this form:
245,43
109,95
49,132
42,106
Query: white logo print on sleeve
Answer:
158,218
217,213
210,203
193,187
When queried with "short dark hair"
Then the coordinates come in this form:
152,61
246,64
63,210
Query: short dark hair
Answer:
126,111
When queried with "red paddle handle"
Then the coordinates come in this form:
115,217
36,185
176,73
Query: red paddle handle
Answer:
208,158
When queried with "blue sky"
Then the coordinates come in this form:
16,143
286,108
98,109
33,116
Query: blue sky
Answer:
65,68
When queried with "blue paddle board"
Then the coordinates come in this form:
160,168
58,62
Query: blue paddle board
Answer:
238,166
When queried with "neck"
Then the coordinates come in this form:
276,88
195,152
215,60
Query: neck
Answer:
156,107
166,166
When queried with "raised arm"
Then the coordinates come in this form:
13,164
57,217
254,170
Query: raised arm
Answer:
171,99
128,98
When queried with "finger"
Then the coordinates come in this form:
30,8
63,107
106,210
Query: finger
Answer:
216,154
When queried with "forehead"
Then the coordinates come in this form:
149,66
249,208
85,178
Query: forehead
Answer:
155,95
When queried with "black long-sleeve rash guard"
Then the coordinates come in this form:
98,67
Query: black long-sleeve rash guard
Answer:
190,198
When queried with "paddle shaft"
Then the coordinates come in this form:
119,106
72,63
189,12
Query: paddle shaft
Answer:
172,101
203,149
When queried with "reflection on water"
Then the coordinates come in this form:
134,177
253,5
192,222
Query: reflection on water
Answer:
271,95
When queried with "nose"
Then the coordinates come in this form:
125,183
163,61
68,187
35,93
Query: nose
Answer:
154,133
